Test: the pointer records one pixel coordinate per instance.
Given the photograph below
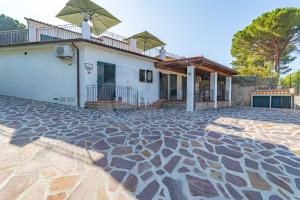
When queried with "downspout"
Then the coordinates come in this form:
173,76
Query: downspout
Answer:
78,77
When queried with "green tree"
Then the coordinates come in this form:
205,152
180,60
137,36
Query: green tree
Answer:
292,79
8,23
266,47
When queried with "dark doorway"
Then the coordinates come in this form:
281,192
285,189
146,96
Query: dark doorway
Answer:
106,78
281,102
261,101
173,87
163,86
184,86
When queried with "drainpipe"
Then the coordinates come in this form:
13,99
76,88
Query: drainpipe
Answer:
78,77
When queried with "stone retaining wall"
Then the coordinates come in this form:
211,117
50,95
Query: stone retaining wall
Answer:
243,86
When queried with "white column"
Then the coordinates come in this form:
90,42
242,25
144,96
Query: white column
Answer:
32,33
190,99
179,87
132,44
214,87
228,86
86,30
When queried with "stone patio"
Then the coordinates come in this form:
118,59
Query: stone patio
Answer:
57,152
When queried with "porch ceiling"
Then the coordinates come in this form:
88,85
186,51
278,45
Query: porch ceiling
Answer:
200,63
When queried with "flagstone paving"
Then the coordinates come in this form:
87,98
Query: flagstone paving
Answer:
58,152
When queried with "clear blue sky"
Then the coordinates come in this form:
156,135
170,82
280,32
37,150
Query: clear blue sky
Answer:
189,27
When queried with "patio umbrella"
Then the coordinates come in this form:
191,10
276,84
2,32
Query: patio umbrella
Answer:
76,10
146,41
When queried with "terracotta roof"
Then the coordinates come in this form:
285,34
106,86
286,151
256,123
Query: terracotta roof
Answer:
273,92
181,64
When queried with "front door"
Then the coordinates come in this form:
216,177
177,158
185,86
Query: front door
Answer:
163,86
173,87
106,81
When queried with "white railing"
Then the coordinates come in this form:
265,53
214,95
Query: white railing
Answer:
13,37
65,32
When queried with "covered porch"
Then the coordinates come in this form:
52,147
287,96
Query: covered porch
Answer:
194,83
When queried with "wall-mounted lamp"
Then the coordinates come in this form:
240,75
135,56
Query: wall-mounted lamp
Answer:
89,67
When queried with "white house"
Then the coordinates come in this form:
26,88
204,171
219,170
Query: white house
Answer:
55,64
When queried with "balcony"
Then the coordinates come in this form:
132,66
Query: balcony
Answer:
66,32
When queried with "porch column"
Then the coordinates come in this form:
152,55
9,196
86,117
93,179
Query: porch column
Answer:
214,88
190,97
32,37
179,87
228,89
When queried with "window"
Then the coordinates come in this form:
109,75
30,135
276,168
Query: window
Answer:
146,76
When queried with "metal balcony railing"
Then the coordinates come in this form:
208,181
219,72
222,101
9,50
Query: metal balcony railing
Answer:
13,37
123,94
63,32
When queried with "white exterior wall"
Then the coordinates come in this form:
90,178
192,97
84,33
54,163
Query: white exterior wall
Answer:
38,75
127,71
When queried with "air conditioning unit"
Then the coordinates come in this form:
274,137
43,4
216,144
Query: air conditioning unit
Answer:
62,51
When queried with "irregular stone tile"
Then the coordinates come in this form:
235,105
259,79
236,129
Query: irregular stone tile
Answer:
216,175
149,191
146,153
183,170
101,145
271,168
275,197
201,187
206,154
185,153
231,164
122,163
147,175
225,195
175,188
131,183
209,147
156,161
268,145
111,130
222,150
214,165
266,153
279,182
142,167
257,181
62,183
10,191
189,162
155,146
184,144
169,167
118,175
170,142
235,194
160,172
297,181
251,163
252,195
135,158
292,170
271,161
59,196
123,150
287,161
236,180
166,152
117,140
196,144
